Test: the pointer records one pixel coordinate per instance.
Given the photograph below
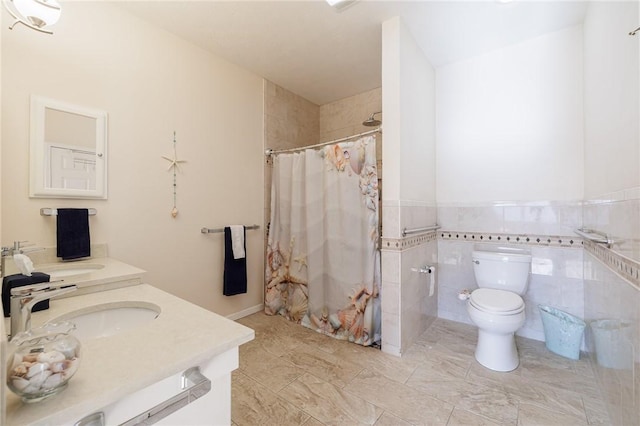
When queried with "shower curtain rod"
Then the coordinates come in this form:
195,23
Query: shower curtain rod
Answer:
270,151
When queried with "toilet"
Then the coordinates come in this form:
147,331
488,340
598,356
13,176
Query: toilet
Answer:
496,308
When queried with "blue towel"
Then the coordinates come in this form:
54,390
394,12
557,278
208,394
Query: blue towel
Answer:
73,234
235,270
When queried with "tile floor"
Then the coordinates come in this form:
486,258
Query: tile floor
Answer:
290,375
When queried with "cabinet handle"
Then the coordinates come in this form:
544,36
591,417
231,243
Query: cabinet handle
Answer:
200,386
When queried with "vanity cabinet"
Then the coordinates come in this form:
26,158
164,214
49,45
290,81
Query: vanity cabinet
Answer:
213,408
126,374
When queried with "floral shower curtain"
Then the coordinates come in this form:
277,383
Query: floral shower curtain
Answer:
322,260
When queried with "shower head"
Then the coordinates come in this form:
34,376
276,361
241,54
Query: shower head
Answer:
372,122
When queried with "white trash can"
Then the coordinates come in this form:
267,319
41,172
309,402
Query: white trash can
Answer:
612,340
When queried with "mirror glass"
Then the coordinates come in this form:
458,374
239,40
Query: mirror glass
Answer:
68,150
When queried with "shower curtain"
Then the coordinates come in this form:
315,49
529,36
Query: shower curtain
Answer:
322,259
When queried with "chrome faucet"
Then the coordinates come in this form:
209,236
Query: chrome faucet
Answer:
25,297
18,247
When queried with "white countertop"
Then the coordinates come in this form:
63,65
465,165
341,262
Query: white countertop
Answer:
112,270
183,335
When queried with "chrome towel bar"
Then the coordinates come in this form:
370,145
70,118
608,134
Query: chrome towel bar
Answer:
407,231
46,211
595,236
216,230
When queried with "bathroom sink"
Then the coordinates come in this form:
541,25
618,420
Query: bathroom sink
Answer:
66,270
108,319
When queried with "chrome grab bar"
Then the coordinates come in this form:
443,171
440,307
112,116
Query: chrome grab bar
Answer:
595,236
200,386
407,231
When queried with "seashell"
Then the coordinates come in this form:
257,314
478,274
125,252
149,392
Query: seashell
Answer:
273,301
32,357
31,389
58,367
19,383
298,304
37,369
174,212
367,322
20,370
37,380
72,367
356,159
52,381
334,321
51,357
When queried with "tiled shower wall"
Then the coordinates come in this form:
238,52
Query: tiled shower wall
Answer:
290,121
293,122
545,228
344,118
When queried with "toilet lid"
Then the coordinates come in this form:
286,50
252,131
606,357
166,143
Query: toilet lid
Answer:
498,301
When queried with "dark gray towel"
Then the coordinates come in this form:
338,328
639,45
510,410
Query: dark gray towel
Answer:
235,270
73,234
19,280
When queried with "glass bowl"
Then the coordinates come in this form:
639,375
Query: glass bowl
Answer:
42,361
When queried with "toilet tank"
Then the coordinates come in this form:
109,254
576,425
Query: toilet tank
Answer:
502,268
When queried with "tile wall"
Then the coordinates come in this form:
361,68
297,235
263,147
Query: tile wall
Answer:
613,338
344,118
409,302
586,279
612,302
545,228
617,215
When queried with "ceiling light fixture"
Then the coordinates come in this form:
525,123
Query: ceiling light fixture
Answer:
35,14
340,5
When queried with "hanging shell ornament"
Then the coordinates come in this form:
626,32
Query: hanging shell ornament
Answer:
174,165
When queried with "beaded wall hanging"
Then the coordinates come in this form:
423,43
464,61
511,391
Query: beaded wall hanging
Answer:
174,166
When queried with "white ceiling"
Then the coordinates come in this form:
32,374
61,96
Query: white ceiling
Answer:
310,49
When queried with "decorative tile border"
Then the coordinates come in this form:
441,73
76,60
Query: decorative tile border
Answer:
627,268
399,244
536,240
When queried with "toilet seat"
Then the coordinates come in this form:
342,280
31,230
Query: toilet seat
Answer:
497,302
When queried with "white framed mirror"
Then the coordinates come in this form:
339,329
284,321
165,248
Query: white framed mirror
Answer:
68,150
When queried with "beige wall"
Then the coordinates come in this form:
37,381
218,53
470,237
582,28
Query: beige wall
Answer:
151,84
3,334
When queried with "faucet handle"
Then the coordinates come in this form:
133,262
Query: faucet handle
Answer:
19,245
26,290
